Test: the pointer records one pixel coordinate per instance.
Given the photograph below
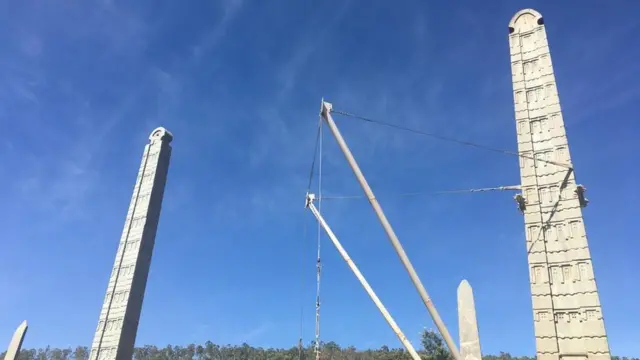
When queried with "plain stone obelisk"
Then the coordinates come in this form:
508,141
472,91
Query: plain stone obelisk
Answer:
467,323
566,305
118,323
16,342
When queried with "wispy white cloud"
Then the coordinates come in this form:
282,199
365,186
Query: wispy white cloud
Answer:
63,178
307,47
256,332
230,9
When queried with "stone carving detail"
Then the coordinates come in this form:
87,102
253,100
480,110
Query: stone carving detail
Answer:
562,283
137,222
118,322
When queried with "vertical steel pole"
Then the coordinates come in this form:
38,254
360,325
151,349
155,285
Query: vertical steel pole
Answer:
326,115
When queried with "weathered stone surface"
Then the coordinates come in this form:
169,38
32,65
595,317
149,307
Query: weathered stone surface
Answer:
566,306
467,323
16,342
118,322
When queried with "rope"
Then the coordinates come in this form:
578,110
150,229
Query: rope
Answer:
444,138
499,188
315,155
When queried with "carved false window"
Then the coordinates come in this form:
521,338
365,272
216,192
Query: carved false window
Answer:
576,229
591,315
573,316
530,194
544,64
544,125
542,315
562,154
548,156
548,234
531,67
126,270
143,199
531,96
566,273
554,193
533,232
583,269
536,275
536,129
515,41
152,157
539,160
549,91
133,246
522,128
556,275
532,275
148,177
137,222
561,232
556,120
516,69
534,95
568,191
560,317
529,162
528,42
545,196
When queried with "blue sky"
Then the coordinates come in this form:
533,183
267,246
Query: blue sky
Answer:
239,84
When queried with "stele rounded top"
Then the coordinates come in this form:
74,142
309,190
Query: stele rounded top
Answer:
525,20
162,134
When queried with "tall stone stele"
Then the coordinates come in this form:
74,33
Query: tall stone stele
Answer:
13,351
468,323
118,323
566,306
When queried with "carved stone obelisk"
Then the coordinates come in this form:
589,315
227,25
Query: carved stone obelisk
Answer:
566,306
118,323
16,342
467,323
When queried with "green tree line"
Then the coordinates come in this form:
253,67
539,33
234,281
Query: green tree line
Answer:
433,348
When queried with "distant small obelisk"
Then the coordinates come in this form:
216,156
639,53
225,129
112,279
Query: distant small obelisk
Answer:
16,342
467,323
118,324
